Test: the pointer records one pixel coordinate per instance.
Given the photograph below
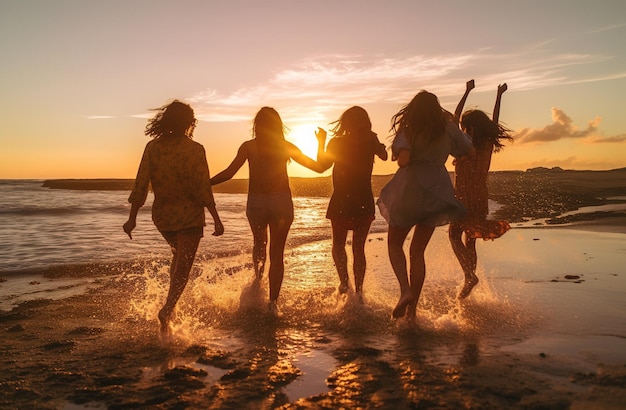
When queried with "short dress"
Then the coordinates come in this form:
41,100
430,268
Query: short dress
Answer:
471,188
176,168
351,204
422,192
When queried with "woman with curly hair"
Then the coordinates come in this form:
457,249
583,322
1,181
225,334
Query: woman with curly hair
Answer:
176,168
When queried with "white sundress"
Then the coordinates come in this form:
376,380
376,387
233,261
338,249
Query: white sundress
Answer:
422,192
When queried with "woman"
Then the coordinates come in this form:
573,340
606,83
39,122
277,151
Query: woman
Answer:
269,195
176,168
420,195
351,205
471,186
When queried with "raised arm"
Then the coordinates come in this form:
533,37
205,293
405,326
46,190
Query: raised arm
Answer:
469,86
324,158
228,173
496,109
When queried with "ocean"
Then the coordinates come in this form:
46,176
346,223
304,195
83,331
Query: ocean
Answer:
42,227
80,298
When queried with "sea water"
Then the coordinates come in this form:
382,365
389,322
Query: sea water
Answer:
42,227
539,287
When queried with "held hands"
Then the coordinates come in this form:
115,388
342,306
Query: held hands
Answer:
320,134
502,88
469,86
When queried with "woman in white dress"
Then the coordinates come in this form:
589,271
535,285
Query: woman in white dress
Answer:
420,194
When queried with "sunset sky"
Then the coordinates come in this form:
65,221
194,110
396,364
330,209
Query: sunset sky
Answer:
78,77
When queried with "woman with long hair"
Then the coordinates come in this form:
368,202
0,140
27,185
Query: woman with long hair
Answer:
471,186
351,206
176,168
269,204
420,195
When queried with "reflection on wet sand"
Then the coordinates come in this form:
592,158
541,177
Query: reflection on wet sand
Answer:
522,340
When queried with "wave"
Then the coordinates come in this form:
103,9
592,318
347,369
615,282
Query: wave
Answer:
66,210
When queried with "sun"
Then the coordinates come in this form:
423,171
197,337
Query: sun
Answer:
303,137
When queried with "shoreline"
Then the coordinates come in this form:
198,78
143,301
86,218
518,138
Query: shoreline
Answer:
499,349
609,224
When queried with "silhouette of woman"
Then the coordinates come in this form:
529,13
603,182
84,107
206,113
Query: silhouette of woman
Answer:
420,194
471,186
269,195
177,169
351,205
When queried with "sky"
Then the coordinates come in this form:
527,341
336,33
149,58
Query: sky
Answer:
78,77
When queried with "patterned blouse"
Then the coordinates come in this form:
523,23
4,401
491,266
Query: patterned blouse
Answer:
177,169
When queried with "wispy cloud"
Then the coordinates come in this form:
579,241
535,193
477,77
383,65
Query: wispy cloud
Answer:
328,83
615,139
607,28
331,82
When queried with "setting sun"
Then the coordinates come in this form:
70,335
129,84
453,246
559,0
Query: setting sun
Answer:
303,136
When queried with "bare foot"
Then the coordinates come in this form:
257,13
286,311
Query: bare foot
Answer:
164,320
344,287
411,313
400,308
469,285
273,309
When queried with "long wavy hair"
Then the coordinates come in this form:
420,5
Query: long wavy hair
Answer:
485,131
354,120
422,120
269,130
268,125
175,118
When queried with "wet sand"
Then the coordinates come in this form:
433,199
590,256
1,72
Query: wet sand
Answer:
543,329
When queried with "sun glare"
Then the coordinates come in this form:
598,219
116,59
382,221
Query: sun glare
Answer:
303,137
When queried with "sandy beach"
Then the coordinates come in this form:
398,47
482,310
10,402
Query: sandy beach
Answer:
543,329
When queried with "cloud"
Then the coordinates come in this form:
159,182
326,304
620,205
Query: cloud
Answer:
561,128
615,139
329,83
608,28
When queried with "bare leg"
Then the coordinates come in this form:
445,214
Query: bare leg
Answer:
339,255
471,280
466,254
359,237
259,249
395,242
182,261
421,237
278,238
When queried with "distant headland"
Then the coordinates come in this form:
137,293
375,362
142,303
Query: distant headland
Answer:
535,193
